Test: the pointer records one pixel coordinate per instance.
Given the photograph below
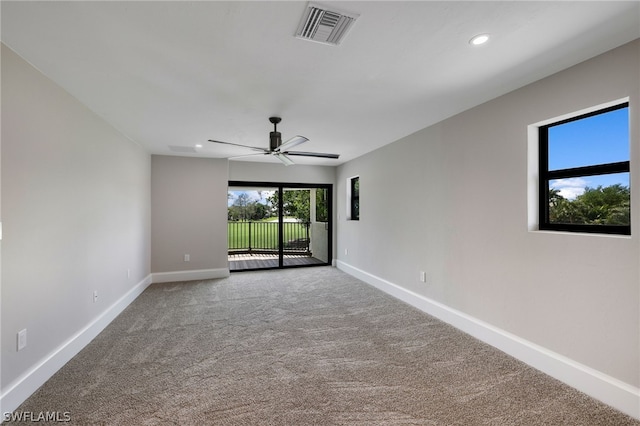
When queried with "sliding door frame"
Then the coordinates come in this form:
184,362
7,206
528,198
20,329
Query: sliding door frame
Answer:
280,187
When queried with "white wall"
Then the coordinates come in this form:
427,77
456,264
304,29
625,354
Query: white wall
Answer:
76,219
189,216
451,200
1,405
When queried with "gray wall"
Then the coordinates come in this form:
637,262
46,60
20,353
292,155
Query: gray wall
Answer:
277,172
189,207
189,213
452,200
75,215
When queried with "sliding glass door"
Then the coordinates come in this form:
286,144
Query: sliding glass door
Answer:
277,225
253,227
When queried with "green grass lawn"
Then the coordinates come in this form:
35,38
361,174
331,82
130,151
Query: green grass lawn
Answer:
264,235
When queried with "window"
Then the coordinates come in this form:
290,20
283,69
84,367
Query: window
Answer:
584,173
354,199
322,205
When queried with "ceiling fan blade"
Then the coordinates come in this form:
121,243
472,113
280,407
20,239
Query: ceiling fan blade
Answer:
282,157
247,155
312,154
255,148
296,140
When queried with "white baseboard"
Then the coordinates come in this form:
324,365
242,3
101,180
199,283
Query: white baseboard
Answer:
19,390
198,274
619,395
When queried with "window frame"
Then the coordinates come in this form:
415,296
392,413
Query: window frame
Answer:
545,176
354,198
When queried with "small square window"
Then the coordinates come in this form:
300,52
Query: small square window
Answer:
584,173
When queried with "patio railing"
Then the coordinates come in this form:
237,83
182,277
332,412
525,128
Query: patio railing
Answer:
262,237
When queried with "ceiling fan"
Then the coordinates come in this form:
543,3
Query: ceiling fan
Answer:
281,150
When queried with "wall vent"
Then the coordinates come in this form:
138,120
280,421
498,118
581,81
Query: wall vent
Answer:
324,25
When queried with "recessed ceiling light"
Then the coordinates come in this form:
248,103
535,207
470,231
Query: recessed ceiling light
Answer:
479,39
199,146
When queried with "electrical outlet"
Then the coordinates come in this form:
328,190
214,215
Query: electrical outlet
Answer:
187,257
346,252
95,296
22,339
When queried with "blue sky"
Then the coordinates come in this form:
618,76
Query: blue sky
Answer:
599,139
253,195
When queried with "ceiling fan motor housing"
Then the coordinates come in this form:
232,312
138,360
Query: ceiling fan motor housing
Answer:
275,140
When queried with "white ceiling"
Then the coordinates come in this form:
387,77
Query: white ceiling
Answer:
179,73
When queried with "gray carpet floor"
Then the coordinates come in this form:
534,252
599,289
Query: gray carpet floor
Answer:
309,346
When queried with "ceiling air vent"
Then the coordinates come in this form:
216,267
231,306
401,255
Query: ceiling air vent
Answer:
324,25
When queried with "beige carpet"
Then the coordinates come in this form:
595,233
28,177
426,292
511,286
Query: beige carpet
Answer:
309,346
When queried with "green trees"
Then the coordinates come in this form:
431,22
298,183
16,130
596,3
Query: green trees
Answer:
608,205
256,206
295,203
244,208
322,205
